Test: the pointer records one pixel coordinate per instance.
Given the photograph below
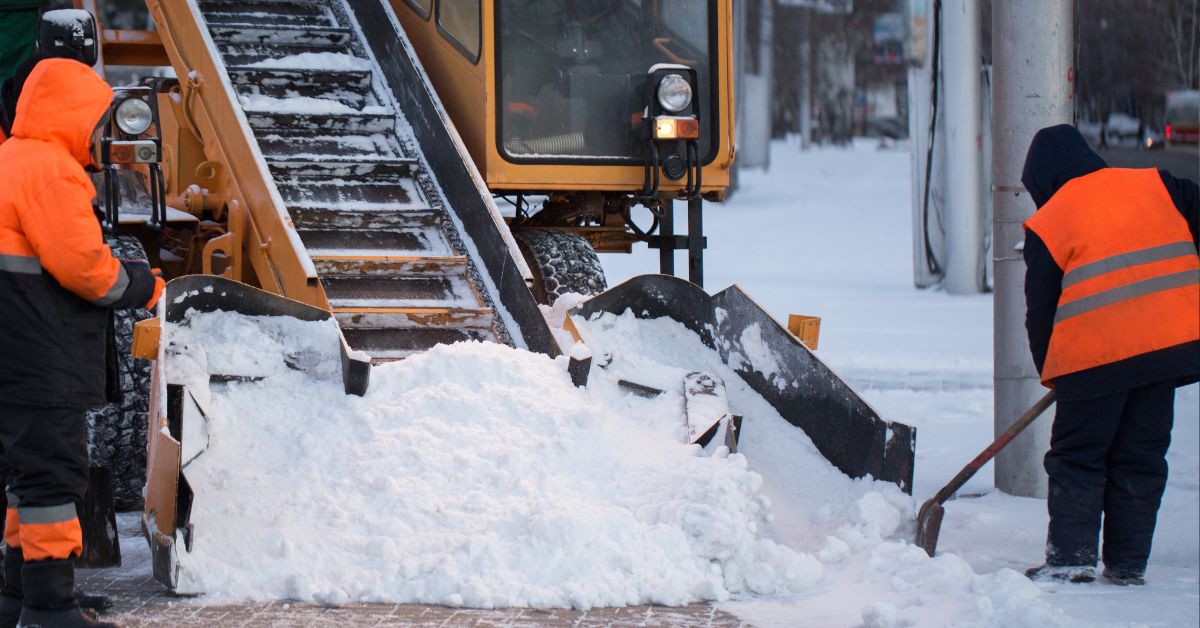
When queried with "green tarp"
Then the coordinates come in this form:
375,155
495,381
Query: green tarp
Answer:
18,32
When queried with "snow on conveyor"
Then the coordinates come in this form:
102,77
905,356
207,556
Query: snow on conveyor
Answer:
475,474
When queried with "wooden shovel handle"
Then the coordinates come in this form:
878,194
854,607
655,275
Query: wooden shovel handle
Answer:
990,452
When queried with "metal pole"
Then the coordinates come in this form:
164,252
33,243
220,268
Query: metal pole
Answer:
739,92
961,58
805,96
766,70
1031,89
666,238
926,247
918,124
696,241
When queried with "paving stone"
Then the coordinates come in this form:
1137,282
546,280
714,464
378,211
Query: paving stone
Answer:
139,600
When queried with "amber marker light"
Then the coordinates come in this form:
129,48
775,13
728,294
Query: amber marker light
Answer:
668,128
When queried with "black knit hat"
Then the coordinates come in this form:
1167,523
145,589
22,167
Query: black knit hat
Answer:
10,91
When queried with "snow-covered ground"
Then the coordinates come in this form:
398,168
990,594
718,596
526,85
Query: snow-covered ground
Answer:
828,232
479,475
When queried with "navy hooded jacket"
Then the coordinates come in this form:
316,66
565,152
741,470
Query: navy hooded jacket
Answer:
1057,155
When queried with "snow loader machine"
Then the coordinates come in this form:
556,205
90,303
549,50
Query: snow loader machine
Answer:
350,160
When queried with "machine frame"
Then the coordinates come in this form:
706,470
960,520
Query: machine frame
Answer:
590,197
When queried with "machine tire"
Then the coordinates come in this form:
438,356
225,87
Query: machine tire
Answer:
561,262
117,432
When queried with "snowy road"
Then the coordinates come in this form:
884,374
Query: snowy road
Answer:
828,233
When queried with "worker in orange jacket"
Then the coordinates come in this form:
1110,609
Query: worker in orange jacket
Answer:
1112,288
57,281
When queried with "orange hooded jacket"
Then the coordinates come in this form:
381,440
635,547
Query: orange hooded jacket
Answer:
57,277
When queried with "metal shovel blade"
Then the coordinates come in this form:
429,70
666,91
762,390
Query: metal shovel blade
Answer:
929,524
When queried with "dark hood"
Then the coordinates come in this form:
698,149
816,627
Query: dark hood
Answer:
1057,154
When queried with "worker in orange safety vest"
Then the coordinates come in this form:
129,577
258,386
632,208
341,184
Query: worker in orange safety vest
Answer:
1112,289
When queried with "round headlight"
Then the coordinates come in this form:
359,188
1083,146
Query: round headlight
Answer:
674,93
134,116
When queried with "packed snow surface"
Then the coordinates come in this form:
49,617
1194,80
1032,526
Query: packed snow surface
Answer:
306,105
314,61
75,18
296,104
828,232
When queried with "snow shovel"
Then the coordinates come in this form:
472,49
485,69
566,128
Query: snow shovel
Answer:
929,518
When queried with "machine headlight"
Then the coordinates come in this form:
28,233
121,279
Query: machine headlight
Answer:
134,116
674,93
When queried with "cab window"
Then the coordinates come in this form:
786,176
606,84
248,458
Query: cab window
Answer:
422,7
573,74
460,23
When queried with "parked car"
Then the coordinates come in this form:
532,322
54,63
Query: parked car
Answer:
1123,130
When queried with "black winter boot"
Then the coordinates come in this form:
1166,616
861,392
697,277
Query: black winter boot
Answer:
92,601
1075,574
50,597
10,593
1125,577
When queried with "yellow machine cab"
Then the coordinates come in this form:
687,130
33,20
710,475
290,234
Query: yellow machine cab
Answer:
579,110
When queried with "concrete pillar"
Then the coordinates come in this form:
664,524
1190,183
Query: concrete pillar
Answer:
961,57
1032,87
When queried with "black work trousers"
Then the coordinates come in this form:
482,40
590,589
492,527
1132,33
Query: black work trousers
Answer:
45,451
1107,459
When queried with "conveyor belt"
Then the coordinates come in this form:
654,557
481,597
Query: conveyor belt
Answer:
393,265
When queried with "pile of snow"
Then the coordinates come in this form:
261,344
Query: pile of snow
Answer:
859,530
225,344
473,474
476,474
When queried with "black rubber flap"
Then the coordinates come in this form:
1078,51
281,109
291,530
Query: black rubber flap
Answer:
844,428
207,293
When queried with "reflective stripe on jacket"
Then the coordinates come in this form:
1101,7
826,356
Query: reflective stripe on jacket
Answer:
1131,273
57,276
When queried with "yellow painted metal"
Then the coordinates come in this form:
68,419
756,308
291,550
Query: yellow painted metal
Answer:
183,155
229,245
570,328
124,47
468,91
146,335
238,173
806,328
133,47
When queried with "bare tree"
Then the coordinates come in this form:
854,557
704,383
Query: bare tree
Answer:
1181,20
1131,52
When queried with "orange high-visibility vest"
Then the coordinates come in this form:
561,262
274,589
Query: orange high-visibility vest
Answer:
1131,273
